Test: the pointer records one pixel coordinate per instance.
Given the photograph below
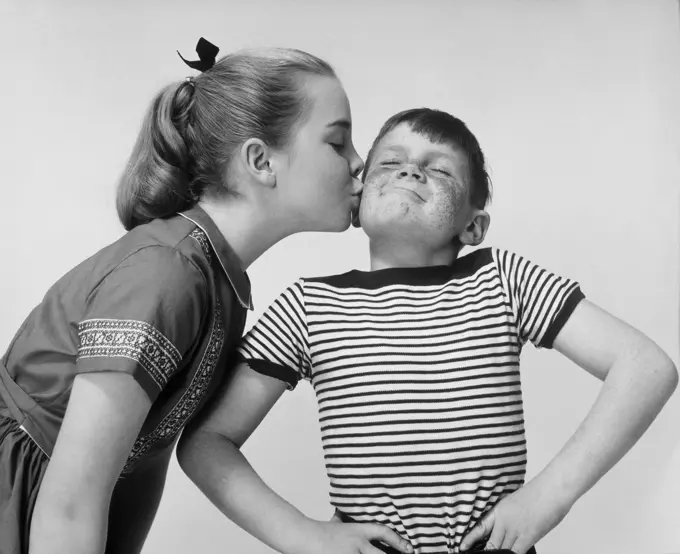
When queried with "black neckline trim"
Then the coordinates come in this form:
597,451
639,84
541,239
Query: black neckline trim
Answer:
464,266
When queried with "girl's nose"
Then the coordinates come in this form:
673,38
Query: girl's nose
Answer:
356,165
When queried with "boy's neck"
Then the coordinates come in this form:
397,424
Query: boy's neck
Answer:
385,255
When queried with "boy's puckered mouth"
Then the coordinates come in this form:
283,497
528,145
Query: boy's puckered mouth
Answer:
408,190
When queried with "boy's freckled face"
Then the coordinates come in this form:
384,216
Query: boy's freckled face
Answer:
415,187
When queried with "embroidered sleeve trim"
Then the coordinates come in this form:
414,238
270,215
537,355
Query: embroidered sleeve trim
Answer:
187,404
128,338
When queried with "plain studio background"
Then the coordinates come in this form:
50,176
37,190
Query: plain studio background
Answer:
574,103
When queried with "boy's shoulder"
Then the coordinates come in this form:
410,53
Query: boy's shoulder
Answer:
472,262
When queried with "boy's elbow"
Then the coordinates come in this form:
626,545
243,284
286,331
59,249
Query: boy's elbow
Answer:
198,450
671,373
664,370
188,451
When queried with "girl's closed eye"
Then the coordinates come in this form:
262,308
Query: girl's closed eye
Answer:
337,140
389,163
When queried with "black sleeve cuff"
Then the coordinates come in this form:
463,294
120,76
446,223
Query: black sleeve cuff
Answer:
282,373
561,318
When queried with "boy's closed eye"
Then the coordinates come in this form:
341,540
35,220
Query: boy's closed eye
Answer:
441,171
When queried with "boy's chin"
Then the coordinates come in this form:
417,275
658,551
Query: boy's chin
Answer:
409,232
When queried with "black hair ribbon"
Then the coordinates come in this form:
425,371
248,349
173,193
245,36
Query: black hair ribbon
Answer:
207,54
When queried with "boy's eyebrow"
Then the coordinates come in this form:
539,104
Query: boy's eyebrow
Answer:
391,147
437,154
430,153
344,123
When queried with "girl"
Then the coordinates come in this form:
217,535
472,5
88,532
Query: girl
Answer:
126,347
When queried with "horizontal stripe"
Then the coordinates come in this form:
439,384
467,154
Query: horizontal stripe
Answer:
416,374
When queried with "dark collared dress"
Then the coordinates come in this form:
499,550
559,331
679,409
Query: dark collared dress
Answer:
165,303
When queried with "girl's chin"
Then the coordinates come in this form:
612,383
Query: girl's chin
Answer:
339,224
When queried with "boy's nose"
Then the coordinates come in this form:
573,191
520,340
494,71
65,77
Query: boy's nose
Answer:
412,171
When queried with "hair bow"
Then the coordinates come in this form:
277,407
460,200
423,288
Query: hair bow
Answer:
207,53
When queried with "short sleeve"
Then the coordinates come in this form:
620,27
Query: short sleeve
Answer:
278,344
143,318
541,301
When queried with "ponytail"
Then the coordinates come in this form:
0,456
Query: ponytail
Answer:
194,127
156,182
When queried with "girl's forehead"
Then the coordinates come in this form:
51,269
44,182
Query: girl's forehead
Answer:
328,99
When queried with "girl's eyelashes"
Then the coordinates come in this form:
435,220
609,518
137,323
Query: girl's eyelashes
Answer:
338,141
389,163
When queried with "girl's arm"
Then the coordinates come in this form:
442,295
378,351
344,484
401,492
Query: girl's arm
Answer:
638,380
104,415
209,453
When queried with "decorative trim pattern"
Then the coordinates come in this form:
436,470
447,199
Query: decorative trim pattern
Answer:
199,236
187,404
128,338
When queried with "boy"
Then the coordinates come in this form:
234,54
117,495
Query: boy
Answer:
415,365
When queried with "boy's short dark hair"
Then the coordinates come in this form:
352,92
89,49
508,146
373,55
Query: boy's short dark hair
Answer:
442,127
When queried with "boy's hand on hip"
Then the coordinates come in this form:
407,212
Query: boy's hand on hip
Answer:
354,538
517,522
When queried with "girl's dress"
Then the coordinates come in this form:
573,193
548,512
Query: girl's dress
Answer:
165,303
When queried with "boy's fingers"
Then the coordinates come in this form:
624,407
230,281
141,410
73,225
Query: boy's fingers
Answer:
376,532
370,549
509,542
479,532
495,541
520,547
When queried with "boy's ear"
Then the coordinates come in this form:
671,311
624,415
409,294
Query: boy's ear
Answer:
475,231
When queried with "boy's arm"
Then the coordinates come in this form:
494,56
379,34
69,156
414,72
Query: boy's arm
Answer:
638,380
209,453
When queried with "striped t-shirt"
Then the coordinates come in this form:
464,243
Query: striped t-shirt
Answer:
416,373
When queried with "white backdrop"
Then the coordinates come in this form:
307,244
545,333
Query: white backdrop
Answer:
575,103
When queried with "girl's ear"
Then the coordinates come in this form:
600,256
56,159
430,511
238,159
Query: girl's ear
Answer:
256,159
